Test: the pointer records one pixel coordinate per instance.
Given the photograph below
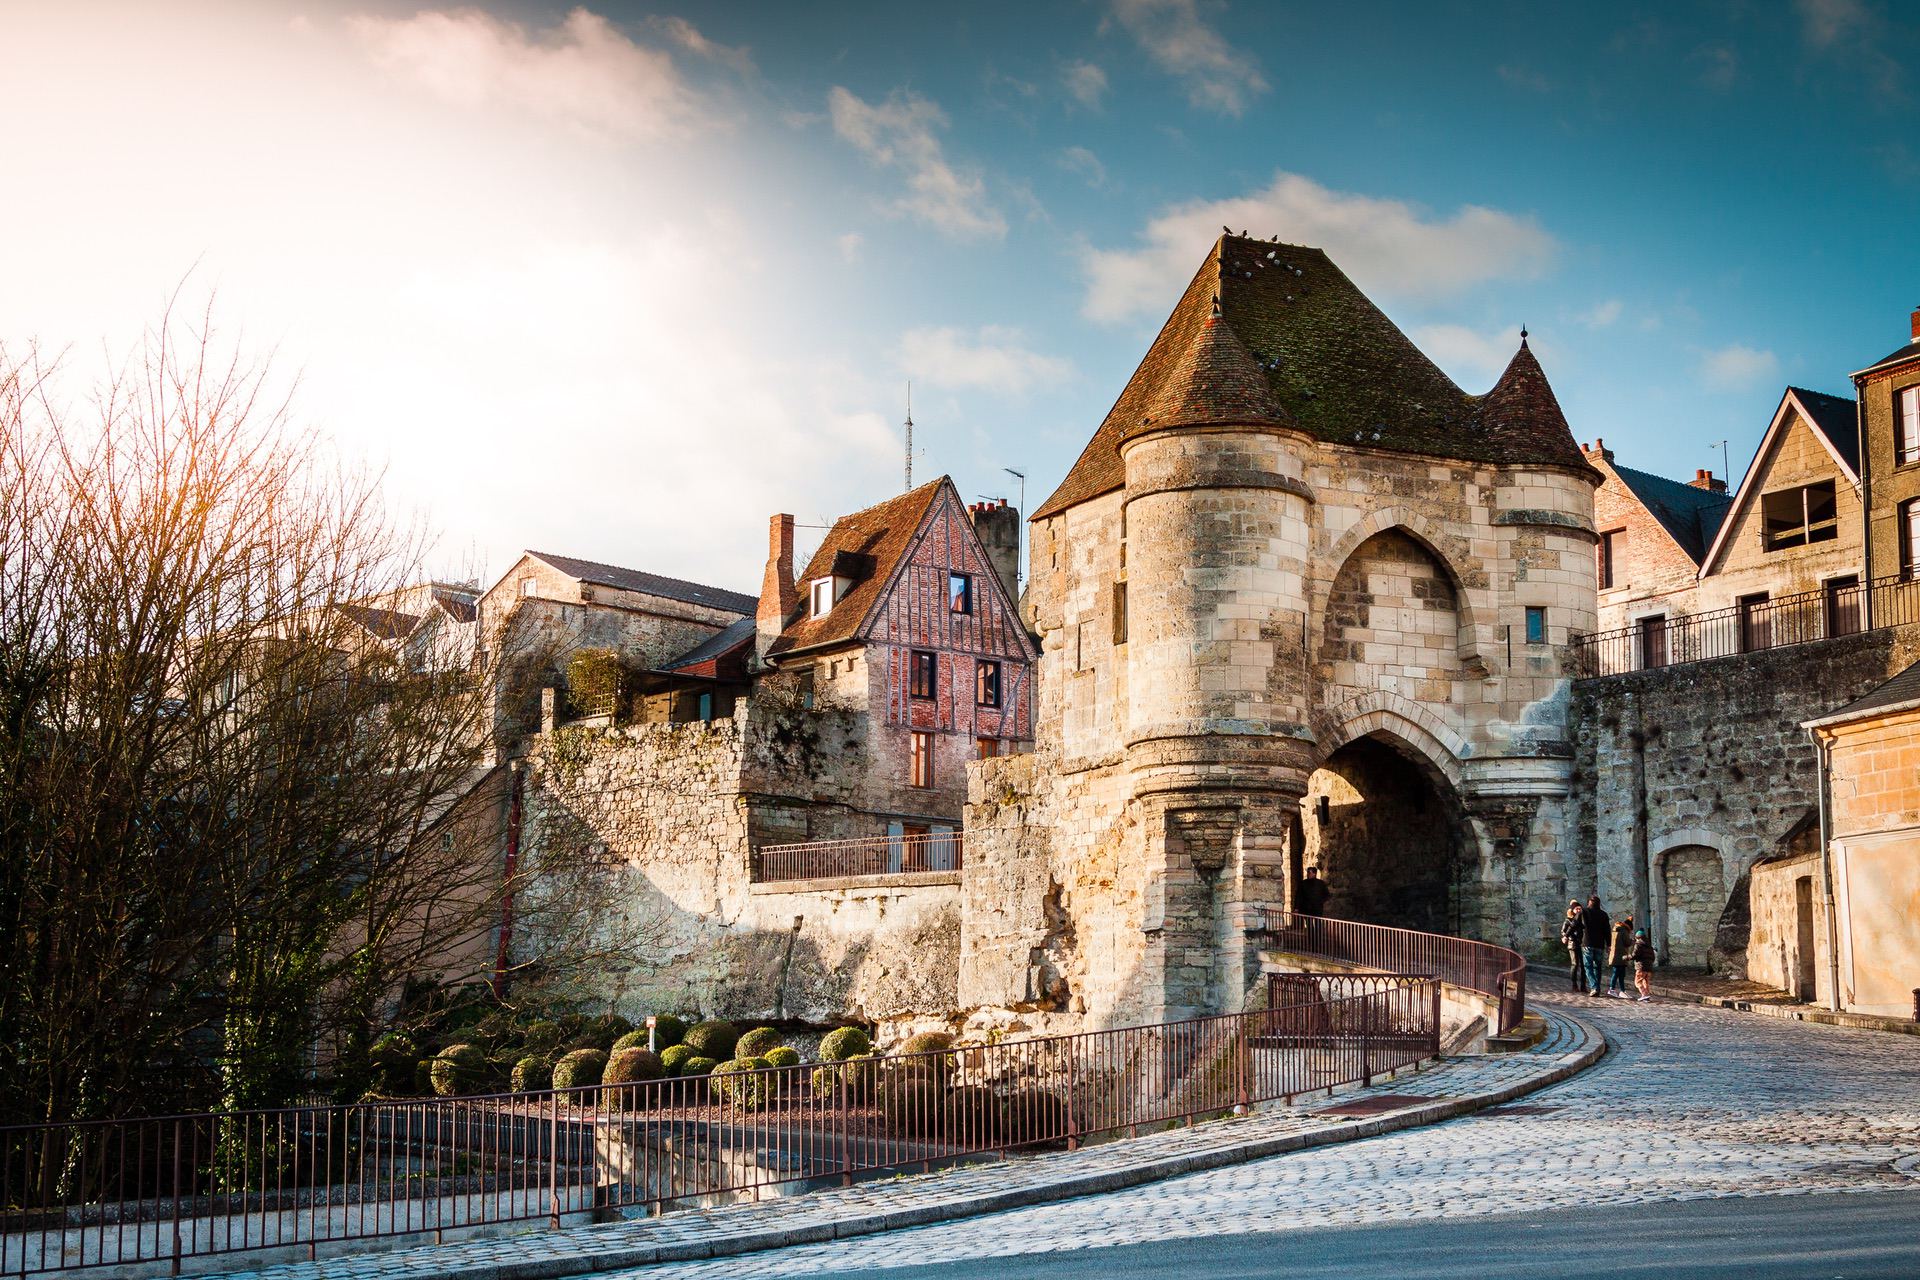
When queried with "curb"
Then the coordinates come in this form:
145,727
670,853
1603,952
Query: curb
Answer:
1766,1009
586,1261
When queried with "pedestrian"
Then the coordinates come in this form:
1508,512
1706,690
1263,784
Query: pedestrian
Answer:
1643,958
1622,956
1312,898
1570,938
1596,935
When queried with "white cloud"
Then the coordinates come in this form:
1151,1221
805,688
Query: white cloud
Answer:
689,37
1086,83
1471,358
1603,314
1737,368
1083,162
992,358
583,73
1388,246
899,133
1826,23
1719,66
1172,32
849,246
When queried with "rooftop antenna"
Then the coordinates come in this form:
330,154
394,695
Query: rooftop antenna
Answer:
1020,530
1726,467
909,434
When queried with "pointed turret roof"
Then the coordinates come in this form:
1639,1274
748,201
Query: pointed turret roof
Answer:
1332,364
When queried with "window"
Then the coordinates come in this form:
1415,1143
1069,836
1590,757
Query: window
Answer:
1536,624
1119,613
1756,623
989,748
922,759
528,586
706,706
1906,426
959,593
806,688
986,684
1843,605
1653,641
922,671
1610,544
446,840
1910,538
822,597
1795,517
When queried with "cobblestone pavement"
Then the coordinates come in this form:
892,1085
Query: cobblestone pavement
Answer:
1691,1102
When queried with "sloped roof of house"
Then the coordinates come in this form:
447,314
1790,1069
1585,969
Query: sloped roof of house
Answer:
882,534
707,657
459,607
383,624
1901,691
653,584
1690,515
1899,355
1270,332
1833,417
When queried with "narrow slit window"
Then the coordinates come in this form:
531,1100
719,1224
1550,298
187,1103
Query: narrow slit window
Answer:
1536,624
1119,613
922,759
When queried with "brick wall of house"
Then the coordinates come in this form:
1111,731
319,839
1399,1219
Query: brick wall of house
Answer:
1651,573
1891,485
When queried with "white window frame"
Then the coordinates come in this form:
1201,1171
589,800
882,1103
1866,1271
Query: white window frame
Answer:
819,590
1906,425
529,586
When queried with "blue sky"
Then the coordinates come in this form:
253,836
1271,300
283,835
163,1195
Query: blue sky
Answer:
619,281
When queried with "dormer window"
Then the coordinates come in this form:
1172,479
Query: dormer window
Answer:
822,597
959,593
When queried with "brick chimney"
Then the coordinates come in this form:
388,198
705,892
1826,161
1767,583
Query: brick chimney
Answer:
777,594
1598,449
1915,319
997,525
1703,479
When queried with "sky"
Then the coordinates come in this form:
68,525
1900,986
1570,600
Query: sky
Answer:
620,281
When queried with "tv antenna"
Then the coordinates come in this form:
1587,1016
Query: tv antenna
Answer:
1726,467
1020,529
909,435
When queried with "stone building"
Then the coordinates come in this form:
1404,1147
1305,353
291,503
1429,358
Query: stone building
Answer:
1889,391
1302,600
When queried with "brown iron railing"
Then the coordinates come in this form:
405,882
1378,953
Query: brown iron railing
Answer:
1495,971
1775,623
870,856
161,1190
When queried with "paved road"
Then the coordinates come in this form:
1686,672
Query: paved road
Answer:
1692,1104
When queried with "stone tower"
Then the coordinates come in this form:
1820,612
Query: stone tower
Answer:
1302,601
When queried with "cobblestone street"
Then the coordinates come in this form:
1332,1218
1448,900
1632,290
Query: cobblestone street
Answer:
1690,1103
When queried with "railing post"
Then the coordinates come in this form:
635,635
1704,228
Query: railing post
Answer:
175,1268
553,1157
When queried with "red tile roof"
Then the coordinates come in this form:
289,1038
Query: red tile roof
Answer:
1268,332
882,534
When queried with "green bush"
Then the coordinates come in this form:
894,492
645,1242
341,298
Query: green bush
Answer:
927,1042
674,1059
668,1030
912,1100
457,1069
391,1061
756,1042
698,1067
714,1039
736,1082
579,1068
631,1066
860,1076
631,1040
825,1080
544,1036
607,1029
782,1056
595,676
847,1042
1033,1114
422,1079
532,1074
972,1116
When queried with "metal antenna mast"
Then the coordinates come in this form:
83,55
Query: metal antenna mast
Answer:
909,435
1020,529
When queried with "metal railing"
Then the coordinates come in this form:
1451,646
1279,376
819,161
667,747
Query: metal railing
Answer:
869,856
1493,971
162,1190
1776,623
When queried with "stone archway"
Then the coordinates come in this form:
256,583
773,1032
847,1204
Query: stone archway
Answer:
1692,894
1387,831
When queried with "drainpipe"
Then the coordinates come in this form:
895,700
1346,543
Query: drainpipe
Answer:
1826,875
1866,504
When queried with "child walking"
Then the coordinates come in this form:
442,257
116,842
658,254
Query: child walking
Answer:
1643,958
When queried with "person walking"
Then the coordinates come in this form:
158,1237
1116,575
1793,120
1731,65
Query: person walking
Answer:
1643,958
1312,898
1622,956
1596,936
1570,930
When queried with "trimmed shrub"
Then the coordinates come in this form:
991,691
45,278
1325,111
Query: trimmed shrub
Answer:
544,1036
674,1059
756,1042
714,1039
782,1056
825,1081
532,1074
391,1060
912,1100
457,1069
972,1116
698,1067
578,1068
1033,1114
422,1079
847,1042
860,1075
607,1029
668,1030
636,1039
927,1042
734,1081
630,1066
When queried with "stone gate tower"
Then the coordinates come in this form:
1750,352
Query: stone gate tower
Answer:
1302,603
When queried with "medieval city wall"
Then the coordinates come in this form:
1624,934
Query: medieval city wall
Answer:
1686,776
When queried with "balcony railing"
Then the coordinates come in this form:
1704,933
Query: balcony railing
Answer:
871,856
1749,627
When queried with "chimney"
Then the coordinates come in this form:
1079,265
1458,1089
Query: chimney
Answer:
777,594
997,525
1915,319
1598,449
1703,479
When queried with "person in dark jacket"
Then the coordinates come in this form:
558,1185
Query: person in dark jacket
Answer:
1596,938
1643,961
1621,956
1312,898
1570,929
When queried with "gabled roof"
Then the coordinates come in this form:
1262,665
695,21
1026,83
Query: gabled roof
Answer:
1823,414
457,606
382,624
884,534
709,656
1898,356
653,584
1274,333
1902,693
1691,516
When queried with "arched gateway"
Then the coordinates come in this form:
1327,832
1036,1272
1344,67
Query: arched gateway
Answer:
1301,599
